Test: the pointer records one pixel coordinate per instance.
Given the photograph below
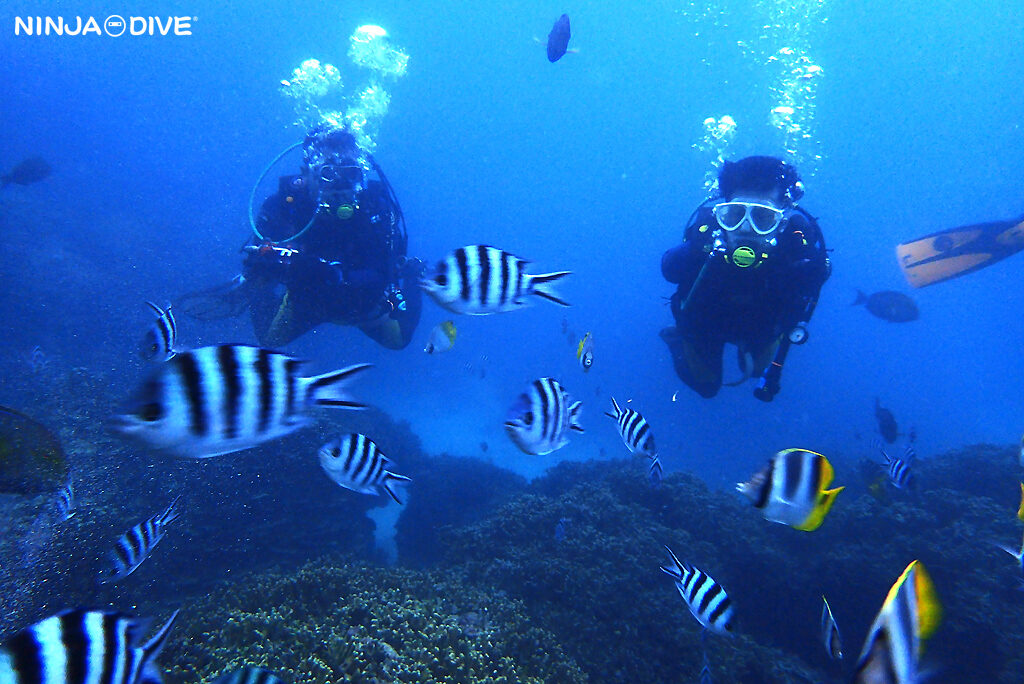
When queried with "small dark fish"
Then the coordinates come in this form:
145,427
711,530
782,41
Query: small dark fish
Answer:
80,646
484,447
886,422
894,307
561,529
33,170
31,458
558,39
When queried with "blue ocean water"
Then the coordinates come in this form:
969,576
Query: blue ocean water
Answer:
586,165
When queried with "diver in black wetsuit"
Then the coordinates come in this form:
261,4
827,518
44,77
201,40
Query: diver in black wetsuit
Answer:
330,246
749,271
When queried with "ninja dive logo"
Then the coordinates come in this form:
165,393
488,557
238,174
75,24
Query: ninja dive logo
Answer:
115,25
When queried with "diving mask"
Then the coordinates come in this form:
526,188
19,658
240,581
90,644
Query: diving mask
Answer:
337,175
763,219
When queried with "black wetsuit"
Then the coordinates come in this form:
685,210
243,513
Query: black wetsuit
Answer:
348,269
752,307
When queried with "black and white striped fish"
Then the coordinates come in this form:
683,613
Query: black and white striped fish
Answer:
248,675
480,280
159,342
134,546
909,616
220,399
830,632
541,418
705,597
66,502
636,433
356,463
83,647
900,474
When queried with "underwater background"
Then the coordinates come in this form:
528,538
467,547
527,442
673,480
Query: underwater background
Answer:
910,124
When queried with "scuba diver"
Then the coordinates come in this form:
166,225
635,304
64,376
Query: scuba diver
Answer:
749,271
328,246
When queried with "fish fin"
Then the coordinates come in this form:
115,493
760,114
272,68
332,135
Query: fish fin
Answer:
1020,509
821,509
540,285
391,492
328,389
150,673
959,251
861,298
574,416
929,610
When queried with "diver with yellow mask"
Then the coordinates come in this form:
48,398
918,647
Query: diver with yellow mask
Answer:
748,273
330,246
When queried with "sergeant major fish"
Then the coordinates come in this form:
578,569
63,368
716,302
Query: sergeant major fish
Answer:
830,632
899,471
357,464
480,280
541,418
217,400
135,545
636,435
160,340
83,647
909,615
793,489
705,597
248,675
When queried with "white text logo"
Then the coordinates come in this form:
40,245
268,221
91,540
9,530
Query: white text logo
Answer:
115,25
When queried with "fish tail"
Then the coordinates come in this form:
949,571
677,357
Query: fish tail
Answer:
329,389
574,416
150,672
615,407
392,478
676,569
540,285
821,509
171,513
861,298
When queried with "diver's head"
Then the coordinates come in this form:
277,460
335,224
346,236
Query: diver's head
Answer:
335,167
756,196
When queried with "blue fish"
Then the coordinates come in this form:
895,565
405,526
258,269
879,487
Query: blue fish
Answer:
558,39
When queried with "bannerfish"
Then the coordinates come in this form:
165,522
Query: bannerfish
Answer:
540,420
479,280
636,434
83,647
1020,509
248,675
830,632
135,545
357,464
558,38
159,341
793,489
886,422
1018,555
888,305
225,398
442,337
705,597
909,616
31,458
26,172
585,352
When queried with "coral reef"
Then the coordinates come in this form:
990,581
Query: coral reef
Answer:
331,622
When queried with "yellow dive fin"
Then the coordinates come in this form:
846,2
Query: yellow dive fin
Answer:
1020,509
958,251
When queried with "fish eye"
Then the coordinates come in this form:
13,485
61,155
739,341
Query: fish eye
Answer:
528,418
335,452
728,626
441,279
151,412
